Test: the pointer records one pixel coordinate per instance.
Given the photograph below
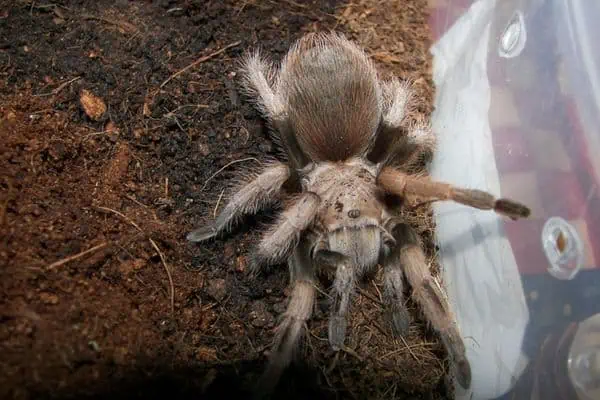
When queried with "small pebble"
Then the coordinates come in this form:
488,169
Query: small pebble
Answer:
48,298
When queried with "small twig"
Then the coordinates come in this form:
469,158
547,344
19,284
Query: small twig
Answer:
218,202
168,271
333,363
369,296
127,219
378,292
76,256
415,346
225,167
199,61
126,26
153,243
409,349
352,353
60,87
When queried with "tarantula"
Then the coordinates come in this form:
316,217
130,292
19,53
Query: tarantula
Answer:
349,148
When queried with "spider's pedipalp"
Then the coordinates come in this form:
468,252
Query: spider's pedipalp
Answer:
299,310
402,184
429,295
278,242
343,288
248,199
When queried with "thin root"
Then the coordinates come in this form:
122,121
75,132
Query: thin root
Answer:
153,243
225,167
76,256
199,61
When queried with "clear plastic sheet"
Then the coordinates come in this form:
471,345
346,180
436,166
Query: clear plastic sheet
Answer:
518,114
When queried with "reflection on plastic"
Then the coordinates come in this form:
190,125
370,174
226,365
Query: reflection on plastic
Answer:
584,359
563,248
512,41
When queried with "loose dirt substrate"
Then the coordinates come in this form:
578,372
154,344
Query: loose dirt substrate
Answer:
101,295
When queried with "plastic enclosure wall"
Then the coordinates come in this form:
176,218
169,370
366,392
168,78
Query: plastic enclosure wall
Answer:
518,114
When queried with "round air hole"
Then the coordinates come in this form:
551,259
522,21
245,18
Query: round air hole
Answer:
563,248
513,38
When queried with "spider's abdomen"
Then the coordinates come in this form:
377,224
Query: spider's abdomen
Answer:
332,97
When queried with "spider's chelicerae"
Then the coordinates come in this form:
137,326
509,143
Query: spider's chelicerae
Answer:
350,150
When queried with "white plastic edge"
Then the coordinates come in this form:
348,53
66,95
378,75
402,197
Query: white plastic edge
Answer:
480,271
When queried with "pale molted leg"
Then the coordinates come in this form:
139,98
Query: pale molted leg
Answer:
433,302
249,199
278,242
299,310
401,184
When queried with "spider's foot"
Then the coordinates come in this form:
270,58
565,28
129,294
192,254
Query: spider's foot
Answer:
400,320
201,234
337,332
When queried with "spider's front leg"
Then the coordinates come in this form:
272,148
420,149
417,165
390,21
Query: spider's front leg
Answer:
251,197
278,243
341,292
434,304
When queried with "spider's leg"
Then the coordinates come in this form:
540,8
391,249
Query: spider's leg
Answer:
402,184
278,242
299,310
434,304
249,198
393,281
341,293
259,77
398,140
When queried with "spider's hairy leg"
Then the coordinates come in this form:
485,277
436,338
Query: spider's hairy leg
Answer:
249,198
258,79
393,281
299,310
398,139
342,290
278,242
421,143
429,295
402,184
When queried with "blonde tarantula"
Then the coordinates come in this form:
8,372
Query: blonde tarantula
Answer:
349,149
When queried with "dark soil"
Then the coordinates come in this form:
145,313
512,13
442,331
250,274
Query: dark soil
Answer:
143,313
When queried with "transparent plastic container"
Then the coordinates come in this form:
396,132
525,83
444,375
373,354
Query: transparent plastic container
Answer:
518,114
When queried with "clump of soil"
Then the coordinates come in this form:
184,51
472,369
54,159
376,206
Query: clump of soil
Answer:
115,118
